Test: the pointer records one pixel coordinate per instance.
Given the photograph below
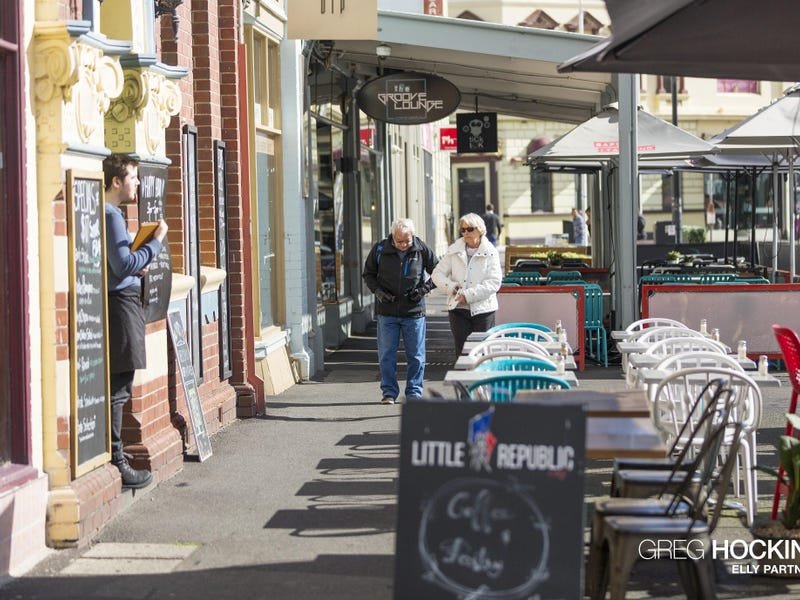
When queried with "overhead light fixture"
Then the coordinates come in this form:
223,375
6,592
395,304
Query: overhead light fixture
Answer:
383,51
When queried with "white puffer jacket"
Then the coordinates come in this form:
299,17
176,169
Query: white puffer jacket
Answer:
479,278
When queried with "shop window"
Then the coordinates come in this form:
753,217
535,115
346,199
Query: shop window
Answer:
473,189
541,191
192,245
330,213
665,84
15,427
266,207
667,193
737,86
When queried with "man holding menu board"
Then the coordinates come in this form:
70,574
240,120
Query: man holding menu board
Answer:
126,267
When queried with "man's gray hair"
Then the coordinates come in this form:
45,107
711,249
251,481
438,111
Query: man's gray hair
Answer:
403,226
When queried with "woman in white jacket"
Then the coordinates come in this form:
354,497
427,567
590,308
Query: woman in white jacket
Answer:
470,274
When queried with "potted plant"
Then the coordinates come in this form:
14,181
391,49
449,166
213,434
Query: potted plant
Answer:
554,258
788,526
674,256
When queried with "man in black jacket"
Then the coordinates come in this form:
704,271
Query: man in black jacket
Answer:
395,272
493,224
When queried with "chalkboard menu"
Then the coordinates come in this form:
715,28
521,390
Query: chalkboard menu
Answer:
87,322
222,260
490,501
157,284
177,332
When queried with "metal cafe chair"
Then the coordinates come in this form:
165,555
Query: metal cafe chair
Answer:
503,388
623,535
695,477
789,343
673,400
508,344
513,361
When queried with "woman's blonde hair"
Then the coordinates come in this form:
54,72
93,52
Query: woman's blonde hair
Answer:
472,220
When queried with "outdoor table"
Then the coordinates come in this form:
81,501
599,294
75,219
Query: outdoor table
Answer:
647,361
652,377
479,336
465,362
597,404
551,347
624,437
470,377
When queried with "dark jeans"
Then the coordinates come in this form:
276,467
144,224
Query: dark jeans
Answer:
462,324
121,385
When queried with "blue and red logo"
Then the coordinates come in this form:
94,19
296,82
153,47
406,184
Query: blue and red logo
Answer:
481,441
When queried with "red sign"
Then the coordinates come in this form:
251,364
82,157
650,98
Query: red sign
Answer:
367,136
612,147
432,7
448,138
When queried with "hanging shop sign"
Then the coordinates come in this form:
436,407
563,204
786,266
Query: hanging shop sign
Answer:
332,19
477,132
448,138
409,98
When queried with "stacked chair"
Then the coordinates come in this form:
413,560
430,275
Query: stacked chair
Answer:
673,398
789,343
515,350
508,344
692,487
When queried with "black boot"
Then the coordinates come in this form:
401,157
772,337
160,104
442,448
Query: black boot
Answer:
133,478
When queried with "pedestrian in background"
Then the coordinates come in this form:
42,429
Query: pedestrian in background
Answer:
578,228
395,272
588,213
470,273
126,342
492,224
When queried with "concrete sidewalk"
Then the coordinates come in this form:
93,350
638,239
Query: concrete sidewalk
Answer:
301,504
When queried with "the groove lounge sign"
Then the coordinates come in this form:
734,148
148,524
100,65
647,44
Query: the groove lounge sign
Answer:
409,98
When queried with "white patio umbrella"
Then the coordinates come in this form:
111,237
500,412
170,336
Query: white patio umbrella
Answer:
773,132
598,139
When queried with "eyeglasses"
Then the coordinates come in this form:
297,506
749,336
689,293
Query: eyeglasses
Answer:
467,229
403,242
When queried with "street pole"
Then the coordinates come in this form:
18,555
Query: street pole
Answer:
677,203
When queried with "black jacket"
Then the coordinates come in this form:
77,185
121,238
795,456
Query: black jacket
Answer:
383,269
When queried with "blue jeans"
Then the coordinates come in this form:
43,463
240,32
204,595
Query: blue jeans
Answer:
413,330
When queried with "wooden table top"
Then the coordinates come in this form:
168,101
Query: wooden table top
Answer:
626,437
598,404
620,435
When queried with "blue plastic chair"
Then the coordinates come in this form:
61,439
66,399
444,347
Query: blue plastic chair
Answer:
503,388
595,331
709,278
503,326
561,276
514,364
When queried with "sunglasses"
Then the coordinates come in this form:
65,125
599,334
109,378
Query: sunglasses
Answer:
467,229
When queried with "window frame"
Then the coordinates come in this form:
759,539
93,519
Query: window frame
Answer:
18,448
